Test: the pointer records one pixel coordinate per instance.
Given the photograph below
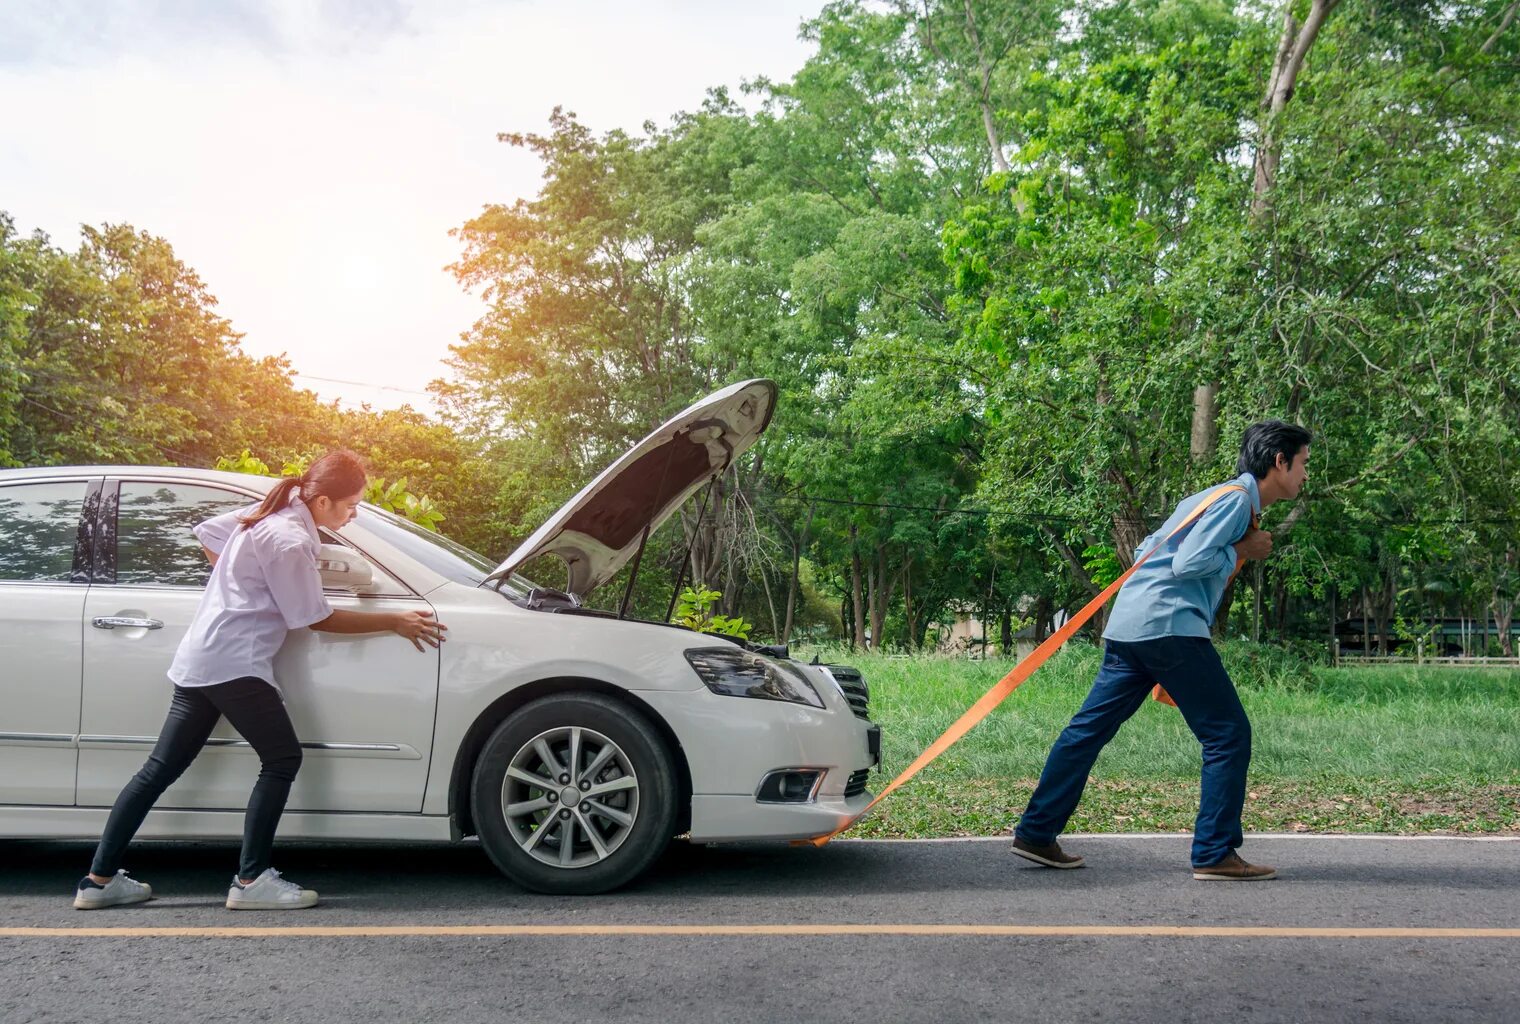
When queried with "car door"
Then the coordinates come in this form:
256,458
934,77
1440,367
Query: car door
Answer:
45,537
362,706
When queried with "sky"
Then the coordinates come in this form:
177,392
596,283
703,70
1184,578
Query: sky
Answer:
308,159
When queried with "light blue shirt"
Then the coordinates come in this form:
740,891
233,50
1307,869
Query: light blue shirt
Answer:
1177,591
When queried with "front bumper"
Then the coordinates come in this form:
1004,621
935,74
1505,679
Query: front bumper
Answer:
731,819
732,743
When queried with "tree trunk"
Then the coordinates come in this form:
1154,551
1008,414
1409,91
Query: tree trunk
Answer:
1509,16
1367,622
1205,434
771,604
733,582
1041,618
1387,600
1488,44
857,601
909,631
1330,593
926,618
798,544
706,545
1504,604
1256,618
1292,49
1005,633
984,100
880,595
1128,532
1222,613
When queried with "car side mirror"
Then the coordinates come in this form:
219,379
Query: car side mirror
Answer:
343,568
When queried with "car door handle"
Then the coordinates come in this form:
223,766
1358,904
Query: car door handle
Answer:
126,622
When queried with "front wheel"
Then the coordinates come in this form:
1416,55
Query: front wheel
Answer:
574,794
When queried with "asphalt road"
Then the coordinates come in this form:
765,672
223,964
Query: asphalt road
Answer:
1011,946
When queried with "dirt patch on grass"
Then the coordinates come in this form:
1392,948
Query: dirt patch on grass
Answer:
979,807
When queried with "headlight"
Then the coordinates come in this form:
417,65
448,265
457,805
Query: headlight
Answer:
736,673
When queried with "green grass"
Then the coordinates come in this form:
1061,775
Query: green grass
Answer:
1351,749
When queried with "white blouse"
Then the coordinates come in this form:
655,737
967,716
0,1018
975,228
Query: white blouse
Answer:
264,584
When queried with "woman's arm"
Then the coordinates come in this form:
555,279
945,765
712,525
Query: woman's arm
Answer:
418,627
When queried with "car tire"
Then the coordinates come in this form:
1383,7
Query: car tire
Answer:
603,775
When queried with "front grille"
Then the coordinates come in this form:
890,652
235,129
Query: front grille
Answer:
854,686
857,783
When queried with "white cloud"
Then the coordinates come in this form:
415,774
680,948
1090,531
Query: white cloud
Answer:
310,170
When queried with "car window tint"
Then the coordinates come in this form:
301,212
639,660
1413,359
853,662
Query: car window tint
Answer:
154,542
39,524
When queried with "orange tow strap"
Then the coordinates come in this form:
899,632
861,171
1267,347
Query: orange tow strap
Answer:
1024,669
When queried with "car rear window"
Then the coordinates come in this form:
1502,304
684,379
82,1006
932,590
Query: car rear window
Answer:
39,524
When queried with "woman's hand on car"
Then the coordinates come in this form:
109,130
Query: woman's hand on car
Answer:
419,628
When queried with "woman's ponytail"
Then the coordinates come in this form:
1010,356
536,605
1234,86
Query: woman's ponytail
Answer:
338,474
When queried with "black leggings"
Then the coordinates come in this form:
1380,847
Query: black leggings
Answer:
256,711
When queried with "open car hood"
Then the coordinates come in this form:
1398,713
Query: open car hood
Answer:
599,529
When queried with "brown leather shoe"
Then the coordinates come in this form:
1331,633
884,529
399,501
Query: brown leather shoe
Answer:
1050,856
1233,869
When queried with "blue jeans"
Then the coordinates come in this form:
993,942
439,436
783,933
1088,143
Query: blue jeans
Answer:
1190,670
256,711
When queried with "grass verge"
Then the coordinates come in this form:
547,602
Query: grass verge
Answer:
1407,750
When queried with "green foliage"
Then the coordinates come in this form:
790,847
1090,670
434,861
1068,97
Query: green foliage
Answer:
988,251
1102,564
243,462
394,497
694,610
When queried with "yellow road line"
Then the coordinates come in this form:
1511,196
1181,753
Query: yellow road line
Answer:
983,930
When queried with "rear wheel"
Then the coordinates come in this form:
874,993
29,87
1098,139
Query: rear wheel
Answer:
574,793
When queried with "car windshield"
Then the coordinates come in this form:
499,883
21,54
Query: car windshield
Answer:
447,558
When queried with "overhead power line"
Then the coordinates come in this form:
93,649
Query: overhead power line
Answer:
998,513
1043,517
362,384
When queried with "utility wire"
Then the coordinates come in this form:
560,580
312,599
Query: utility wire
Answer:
362,384
1033,517
1043,517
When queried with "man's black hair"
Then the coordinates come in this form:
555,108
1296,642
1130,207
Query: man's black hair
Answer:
1263,441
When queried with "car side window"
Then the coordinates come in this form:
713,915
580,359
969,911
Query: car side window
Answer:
39,526
154,542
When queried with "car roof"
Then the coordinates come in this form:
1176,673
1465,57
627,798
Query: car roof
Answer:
247,481
425,577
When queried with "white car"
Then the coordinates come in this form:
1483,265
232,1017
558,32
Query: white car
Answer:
575,743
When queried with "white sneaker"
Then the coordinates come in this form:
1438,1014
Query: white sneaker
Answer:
119,890
269,892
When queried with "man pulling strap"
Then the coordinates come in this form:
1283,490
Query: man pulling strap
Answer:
1158,636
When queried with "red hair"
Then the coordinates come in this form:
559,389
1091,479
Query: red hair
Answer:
337,474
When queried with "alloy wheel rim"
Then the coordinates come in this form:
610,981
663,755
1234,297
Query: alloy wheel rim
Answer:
570,797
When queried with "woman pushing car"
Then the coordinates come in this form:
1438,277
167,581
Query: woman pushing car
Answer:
264,583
